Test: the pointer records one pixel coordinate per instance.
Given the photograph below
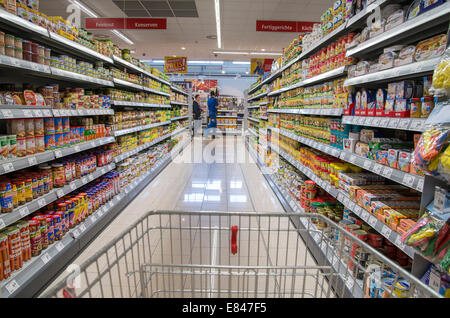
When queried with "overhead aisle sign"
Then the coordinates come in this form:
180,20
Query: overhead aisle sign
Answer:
284,26
126,23
175,64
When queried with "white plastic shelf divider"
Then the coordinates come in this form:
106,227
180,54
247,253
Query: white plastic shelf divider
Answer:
413,124
23,111
135,104
378,225
81,112
253,119
404,30
309,111
32,206
411,70
12,62
12,165
407,179
180,118
72,76
80,48
139,128
177,103
36,265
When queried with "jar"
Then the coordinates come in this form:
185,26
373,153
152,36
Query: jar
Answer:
27,56
7,197
39,143
28,190
41,50
50,231
41,59
35,237
427,106
47,61
20,188
416,107
15,248
35,48
9,40
26,45
9,51
44,229
59,176
30,146
2,38
34,57
56,227
47,53
18,43
68,171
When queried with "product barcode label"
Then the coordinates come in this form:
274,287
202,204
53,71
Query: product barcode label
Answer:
84,180
27,113
42,202
77,148
73,186
2,223
82,228
373,221
7,113
58,153
59,246
24,211
367,164
386,231
408,180
377,168
94,218
46,258
398,242
32,161
387,172
12,286
8,167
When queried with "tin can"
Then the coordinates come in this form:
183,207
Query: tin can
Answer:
49,141
59,141
5,267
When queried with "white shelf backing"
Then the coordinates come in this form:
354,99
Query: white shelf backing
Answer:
409,70
413,124
378,225
31,269
423,22
12,165
309,111
139,128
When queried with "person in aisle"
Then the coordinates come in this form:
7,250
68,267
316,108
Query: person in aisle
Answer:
197,115
212,109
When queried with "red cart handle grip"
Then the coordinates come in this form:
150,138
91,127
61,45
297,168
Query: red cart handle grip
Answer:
234,247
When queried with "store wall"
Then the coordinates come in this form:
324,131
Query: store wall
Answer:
227,85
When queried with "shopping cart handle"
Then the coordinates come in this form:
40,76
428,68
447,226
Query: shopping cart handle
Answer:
234,247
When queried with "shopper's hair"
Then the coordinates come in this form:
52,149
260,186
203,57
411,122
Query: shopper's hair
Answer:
213,94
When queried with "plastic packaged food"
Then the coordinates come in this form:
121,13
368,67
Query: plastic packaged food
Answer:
21,147
31,145
427,106
416,107
432,47
386,60
395,19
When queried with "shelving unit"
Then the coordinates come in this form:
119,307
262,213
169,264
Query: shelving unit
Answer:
423,26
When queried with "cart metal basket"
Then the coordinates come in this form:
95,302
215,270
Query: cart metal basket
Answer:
216,254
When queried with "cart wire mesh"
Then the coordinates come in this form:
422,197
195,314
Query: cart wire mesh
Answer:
241,255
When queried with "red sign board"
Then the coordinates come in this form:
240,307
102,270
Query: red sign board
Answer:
126,23
146,24
105,23
284,26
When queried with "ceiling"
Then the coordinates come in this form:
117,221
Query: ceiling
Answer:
189,22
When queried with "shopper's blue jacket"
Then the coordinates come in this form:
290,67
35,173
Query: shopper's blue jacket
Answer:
212,107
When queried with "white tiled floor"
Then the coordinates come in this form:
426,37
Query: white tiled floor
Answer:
226,185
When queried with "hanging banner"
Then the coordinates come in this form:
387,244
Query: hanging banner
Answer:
284,26
175,64
260,66
205,86
126,23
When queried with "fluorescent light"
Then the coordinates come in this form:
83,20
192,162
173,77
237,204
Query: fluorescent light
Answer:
123,37
219,35
223,72
265,53
241,63
263,50
246,72
183,48
84,8
230,52
206,62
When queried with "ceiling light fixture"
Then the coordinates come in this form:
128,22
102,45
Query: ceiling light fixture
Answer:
265,53
223,72
219,35
206,62
92,14
85,9
263,50
183,48
230,52
246,53
241,63
123,37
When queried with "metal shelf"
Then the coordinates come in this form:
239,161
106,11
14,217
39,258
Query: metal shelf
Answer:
180,118
39,271
81,112
226,116
257,96
72,76
253,119
412,124
409,70
139,128
178,90
251,107
130,66
38,203
359,19
378,225
421,23
263,118
138,149
127,84
33,160
177,103
324,41
154,91
135,104
23,111
253,132
29,67
309,111
178,131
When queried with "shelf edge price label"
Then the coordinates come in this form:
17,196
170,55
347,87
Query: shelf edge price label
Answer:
42,202
8,167
420,184
105,209
367,164
82,228
59,246
403,124
58,154
73,186
7,113
24,211
27,113
387,172
12,286
352,158
76,148
60,193
386,231
398,242
32,161
76,233
350,283
377,168
94,218
46,258
373,221
408,180
84,180
2,224
90,177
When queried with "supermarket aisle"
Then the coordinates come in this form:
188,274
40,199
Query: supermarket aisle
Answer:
228,180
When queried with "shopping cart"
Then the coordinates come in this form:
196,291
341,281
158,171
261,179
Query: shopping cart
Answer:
216,254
